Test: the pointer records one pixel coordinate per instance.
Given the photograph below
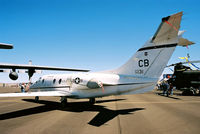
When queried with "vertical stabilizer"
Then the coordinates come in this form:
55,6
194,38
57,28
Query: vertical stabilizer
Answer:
151,59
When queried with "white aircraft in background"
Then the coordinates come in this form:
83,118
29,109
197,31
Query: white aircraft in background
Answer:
138,75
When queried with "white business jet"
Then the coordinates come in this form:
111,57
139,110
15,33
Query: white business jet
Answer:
138,75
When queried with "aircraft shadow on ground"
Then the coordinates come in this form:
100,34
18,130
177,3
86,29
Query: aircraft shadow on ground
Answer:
104,115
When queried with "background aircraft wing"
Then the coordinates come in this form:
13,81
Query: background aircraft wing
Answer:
35,67
45,93
5,46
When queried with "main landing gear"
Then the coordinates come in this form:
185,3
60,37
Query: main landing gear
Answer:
92,101
63,101
36,99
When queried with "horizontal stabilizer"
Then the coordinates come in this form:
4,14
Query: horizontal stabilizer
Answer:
185,42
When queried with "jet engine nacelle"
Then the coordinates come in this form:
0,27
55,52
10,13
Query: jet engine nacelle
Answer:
13,76
93,84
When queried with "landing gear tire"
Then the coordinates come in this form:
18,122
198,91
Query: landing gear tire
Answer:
92,101
36,98
63,101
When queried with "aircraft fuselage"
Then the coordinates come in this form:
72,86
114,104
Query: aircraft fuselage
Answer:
88,85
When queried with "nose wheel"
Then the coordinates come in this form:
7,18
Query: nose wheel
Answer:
92,101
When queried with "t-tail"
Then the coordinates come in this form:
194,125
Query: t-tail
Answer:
152,58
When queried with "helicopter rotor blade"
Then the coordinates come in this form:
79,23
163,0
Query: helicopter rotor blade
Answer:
174,64
195,61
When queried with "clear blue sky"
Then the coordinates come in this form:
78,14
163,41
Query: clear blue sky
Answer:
90,34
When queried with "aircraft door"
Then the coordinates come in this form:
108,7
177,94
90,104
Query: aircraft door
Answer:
69,82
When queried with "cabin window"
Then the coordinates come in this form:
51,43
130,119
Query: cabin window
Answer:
60,81
54,81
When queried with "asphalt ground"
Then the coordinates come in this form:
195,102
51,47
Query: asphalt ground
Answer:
147,113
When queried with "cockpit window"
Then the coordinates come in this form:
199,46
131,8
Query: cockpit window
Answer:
54,81
60,81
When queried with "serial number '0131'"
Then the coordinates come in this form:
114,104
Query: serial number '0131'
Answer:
139,71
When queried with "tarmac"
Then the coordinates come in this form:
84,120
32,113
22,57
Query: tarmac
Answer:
147,113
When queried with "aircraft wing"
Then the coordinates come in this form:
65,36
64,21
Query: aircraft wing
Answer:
5,46
45,93
35,67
